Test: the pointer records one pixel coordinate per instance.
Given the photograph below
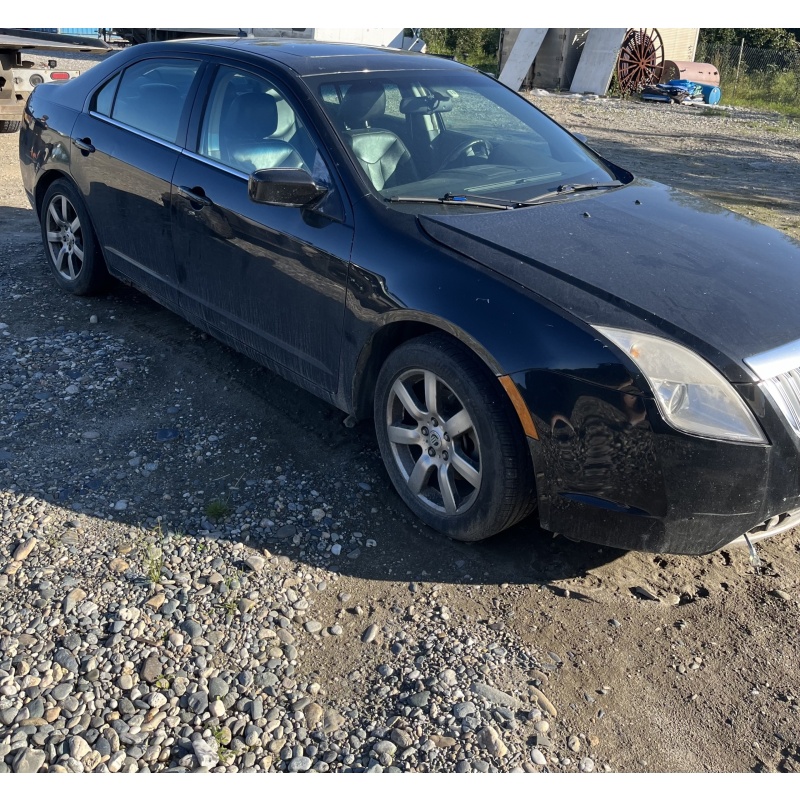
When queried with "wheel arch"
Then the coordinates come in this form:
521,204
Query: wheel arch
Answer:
394,332
45,182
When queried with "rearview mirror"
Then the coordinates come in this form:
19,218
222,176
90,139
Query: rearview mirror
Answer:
284,187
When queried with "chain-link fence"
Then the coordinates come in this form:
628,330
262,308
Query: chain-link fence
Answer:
755,77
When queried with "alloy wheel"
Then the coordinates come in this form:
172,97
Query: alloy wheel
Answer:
433,441
64,237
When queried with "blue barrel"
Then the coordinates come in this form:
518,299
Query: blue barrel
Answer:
711,94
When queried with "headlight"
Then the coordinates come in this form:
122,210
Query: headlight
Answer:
691,394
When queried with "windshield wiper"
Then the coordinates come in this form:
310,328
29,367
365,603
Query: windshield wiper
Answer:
570,188
457,199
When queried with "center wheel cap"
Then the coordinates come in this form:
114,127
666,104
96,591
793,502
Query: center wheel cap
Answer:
435,440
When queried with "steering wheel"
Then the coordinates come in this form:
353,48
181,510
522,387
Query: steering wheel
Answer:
473,148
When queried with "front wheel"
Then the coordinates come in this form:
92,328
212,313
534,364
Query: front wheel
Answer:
453,448
70,242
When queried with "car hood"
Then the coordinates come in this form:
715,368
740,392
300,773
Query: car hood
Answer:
647,257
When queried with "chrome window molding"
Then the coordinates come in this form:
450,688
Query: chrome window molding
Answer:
131,129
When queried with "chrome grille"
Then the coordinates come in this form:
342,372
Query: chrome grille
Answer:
785,391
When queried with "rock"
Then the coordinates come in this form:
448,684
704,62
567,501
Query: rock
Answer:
217,687
206,752
28,760
78,747
419,700
443,741
256,563
64,658
72,599
24,549
448,677
495,695
314,714
121,505
489,739
586,765
574,744
217,708
461,710
336,549
116,761
300,764
785,596
332,721
369,634
644,592
156,601
385,748
313,626
198,702
538,757
193,629
402,738
543,702
151,669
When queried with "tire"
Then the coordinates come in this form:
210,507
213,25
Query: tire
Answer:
453,447
69,240
10,125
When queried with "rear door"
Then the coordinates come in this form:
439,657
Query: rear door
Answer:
124,152
270,279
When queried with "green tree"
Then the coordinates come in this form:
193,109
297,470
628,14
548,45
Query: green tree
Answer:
781,39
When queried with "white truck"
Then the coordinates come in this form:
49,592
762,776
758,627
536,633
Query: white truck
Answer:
19,75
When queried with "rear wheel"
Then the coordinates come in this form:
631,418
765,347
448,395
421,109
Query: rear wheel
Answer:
453,449
69,241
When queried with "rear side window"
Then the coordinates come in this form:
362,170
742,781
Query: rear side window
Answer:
152,95
104,99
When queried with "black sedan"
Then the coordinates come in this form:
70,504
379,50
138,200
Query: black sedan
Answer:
530,326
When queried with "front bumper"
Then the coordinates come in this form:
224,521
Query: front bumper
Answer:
609,470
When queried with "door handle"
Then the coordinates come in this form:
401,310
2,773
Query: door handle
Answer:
194,195
84,145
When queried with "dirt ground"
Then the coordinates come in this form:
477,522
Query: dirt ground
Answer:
664,663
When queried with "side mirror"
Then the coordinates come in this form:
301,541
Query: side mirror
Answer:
284,187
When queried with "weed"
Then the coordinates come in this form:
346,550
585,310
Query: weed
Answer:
715,112
217,509
154,563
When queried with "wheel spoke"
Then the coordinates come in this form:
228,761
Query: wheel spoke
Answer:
409,403
60,257
75,225
64,207
465,469
78,252
53,236
430,392
54,214
419,475
71,266
457,424
401,435
446,488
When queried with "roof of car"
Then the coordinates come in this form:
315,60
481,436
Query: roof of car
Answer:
309,57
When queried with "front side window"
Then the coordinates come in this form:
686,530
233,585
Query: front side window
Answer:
152,94
249,125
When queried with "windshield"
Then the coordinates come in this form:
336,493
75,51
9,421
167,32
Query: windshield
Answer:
434,135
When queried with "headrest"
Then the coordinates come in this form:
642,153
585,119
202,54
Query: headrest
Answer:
252,116
363,101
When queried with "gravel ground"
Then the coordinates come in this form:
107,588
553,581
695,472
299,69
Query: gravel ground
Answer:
202,569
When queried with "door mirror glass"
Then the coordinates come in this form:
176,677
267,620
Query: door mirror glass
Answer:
284,187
